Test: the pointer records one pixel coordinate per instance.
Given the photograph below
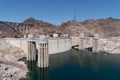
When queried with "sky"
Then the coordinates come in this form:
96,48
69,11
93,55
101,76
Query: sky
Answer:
58,11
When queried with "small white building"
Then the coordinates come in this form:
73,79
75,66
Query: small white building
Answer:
55,35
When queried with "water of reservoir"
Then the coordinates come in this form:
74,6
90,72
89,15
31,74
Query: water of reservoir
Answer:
77,65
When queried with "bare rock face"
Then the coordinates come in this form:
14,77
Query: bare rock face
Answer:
10,67
111,45
11,72
37,27
9,52
104,27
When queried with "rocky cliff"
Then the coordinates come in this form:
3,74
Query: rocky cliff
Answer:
105,27
39,27
10,67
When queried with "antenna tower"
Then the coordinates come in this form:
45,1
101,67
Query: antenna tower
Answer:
74,14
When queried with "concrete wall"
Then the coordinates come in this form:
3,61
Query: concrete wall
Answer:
55,45
88,41
75,40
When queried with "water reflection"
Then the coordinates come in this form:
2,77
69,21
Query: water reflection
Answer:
32,65
42,74
36,73
59,60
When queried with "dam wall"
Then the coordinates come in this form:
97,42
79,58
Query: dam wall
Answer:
55,45
62,44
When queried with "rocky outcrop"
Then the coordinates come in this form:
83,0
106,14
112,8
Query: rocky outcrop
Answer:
11,72
109,27
111,45
38,27
10,67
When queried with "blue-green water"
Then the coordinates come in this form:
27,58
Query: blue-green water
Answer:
77,65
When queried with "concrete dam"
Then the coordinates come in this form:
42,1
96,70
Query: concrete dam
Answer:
44,46
56,45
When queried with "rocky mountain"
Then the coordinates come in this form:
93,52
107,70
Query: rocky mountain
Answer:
105,27
38,27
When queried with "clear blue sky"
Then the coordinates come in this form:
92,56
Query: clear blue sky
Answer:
58,11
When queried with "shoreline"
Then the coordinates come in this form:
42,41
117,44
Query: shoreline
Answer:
10,67
12,70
